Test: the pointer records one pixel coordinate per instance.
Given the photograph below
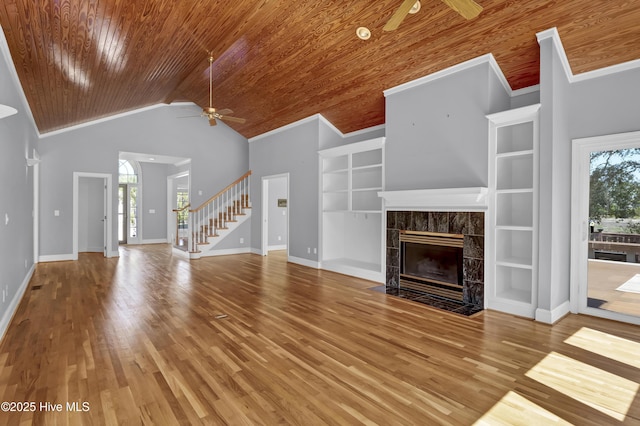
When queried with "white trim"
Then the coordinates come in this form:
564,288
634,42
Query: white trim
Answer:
553,34
304,262
525,90
109,220
552,316
322,119
580,165
446,199
285,127
180,253
226,252
7,111
105,119
480,60
364,131
367,145
15,302
264,228
155,241
36,206
4,49
277,247
254,250
56,257
513,116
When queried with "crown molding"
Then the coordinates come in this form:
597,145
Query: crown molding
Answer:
553,35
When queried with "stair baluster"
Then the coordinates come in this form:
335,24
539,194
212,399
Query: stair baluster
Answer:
213,215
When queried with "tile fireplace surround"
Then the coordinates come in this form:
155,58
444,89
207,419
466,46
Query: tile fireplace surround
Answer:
469,224
454,211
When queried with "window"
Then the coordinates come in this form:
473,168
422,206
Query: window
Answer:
127,173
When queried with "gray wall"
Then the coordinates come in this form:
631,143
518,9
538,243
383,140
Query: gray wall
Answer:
437,132
554,230
17,139
219,155
293,151
154,198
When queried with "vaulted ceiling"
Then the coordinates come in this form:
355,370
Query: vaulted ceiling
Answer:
278,61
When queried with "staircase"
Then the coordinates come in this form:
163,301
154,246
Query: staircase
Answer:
216,218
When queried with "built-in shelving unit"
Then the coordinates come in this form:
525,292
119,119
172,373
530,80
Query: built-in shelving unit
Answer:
512,242
351,221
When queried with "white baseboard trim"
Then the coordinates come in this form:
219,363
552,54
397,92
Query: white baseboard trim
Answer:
13,306
256,251
278,247
155,241
304,262
55,257
551,316
225,252
180,253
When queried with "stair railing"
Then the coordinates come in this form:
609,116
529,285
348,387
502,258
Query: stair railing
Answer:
214,214
182,224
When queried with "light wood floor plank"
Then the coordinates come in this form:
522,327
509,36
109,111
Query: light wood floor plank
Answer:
148,338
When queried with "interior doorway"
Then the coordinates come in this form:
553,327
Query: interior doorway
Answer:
92,214
177,209
128,202
275,213
606,227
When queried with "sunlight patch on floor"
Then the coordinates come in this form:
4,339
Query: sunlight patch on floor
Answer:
514,409
606,392
607,345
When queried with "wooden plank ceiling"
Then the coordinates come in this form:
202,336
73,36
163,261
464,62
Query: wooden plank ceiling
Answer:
278,61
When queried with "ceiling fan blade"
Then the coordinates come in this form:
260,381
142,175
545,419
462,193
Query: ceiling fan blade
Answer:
469,9
212,122
233,119
397,18
225,111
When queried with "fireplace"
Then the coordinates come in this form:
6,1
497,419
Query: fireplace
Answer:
463,286
432,262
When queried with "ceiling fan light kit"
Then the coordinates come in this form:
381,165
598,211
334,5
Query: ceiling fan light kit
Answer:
468,9
363,33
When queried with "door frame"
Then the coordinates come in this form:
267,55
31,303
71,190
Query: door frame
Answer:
580,167
265,212
125,231
171,202
108,214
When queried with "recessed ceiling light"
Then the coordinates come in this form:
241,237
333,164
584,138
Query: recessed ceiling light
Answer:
152,159
363,33
415,8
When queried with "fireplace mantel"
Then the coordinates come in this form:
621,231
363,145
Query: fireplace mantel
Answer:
446,199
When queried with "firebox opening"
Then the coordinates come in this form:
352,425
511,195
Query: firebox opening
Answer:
432,262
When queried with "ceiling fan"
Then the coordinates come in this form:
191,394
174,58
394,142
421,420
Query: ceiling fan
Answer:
212,113
469,9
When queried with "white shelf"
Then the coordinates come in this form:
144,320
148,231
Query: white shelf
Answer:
352,232
511,270
515,262
514,154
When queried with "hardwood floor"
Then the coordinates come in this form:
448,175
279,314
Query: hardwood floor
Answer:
148,338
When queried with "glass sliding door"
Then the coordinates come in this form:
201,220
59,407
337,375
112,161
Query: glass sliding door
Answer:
613,273
605,227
